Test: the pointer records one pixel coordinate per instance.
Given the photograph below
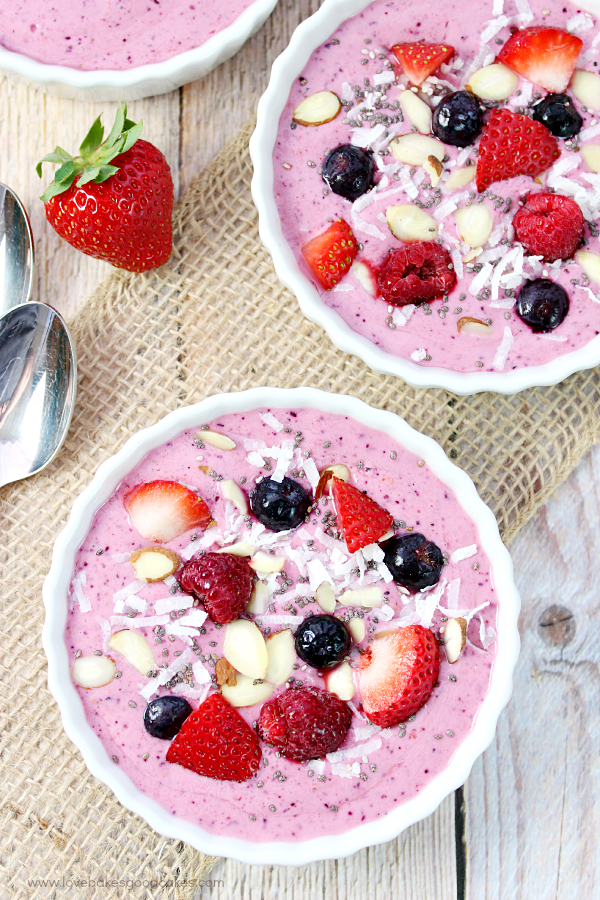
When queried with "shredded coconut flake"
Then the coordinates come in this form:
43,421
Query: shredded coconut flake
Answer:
270,420
578,23
121,557
79,582
201,673
463,553
345,771
124,597
503,349
418,355
352,752
401,315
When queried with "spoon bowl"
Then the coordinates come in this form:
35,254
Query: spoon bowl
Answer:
38,380
16,251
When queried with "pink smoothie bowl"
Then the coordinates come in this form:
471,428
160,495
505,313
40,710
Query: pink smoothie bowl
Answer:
140,81
287,68
56,591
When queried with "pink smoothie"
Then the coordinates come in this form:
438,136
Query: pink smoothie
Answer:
374,770
105,34
358,56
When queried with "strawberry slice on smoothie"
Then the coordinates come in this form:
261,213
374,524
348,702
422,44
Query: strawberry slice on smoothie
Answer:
546,56
162,510
419,60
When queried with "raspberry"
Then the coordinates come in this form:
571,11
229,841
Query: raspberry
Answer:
305,723
221,581
417,272
513,145
216,742
549,225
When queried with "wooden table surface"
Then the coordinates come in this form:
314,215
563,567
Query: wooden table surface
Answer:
526,824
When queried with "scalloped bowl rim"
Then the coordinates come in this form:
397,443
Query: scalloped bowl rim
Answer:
202,58
286,68
55,594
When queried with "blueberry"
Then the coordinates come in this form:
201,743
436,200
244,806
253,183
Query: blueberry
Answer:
557,113
348,171
322,641
457,119
164,716
414,562
280,505
542,304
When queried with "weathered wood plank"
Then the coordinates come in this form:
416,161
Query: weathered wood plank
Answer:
533,813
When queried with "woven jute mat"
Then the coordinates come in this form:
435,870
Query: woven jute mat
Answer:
214,319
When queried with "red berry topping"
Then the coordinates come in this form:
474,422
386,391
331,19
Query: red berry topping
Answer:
397,674
305,723
549,225
221,581
362,520
115,200
215,741
162,510
331,254
417,272
546,56
419,60
513,145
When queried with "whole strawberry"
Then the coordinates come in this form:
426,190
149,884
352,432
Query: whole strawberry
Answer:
221,581
115,200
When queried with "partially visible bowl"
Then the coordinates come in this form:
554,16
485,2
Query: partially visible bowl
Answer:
311,34
141,81
56,593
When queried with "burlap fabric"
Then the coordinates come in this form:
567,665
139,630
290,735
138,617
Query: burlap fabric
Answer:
214,319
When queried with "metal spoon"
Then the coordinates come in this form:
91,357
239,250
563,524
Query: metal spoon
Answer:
38,370
16,251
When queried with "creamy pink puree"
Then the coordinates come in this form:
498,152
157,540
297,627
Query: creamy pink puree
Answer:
306,210
110,34
403,764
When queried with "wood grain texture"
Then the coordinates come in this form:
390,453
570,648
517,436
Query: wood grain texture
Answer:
533,814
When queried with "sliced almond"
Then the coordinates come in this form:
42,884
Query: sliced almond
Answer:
340,682
590,263
366,277
591,155
434,169
416,111
357,629
259,599
230,490
246,693
411,223
366,596
281,651
455,638
244,647
495,82
265,563
154,563
472,254
586,87
459,178
225,673
93,671
474,327
325,597
216,439
136,650
337,470
474,224
239,549
317,109
415,149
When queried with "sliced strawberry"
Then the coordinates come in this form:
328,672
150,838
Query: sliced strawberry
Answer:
331,254
162,510
397,674
216,742
419,60
546,56
513,145
221,581
362,520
